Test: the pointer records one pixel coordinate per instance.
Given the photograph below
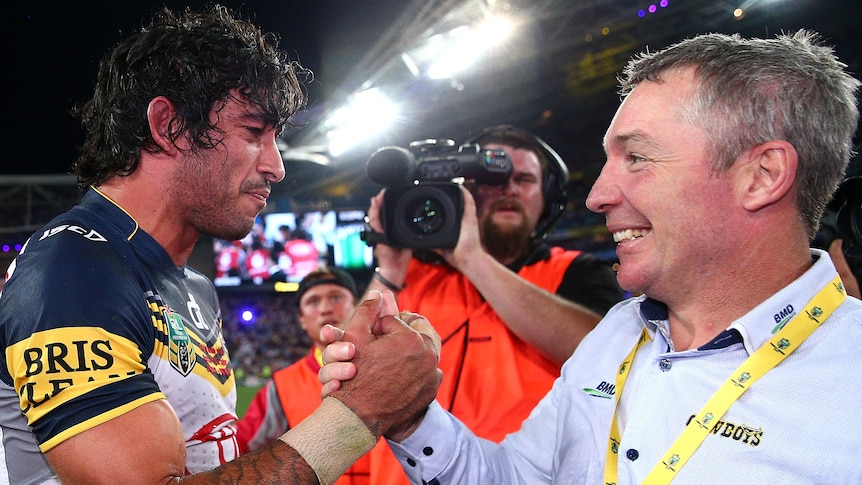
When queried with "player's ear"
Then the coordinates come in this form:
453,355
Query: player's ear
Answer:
160,113
767,174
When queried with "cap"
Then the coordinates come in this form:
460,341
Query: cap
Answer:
326,275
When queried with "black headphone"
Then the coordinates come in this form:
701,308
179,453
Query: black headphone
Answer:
556,176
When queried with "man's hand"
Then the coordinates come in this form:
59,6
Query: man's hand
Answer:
851,284
469,247
393,374
393,262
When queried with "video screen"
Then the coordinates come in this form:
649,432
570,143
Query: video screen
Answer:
286,246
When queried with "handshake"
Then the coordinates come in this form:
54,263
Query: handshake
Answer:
383,366
382,372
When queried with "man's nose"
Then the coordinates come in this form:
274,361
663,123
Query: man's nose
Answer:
603,192
271,164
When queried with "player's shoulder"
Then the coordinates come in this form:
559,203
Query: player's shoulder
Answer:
69,254
69,284
70,245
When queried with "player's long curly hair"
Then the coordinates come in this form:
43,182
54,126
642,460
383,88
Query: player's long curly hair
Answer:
195,60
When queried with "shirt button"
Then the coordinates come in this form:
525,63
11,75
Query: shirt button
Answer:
411,462
664,365
632,454
428,451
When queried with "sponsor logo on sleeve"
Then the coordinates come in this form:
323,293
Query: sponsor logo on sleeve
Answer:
55,366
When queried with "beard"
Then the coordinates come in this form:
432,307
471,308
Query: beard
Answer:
202,190
505,243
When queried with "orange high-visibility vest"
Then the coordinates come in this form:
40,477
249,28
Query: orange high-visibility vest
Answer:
494,377
299,392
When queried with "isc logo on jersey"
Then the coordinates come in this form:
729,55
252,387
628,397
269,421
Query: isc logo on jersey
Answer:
87,233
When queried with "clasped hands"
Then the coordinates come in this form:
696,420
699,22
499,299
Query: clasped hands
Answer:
382,365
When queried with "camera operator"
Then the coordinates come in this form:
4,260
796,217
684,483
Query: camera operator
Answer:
508,308
840,229
842,265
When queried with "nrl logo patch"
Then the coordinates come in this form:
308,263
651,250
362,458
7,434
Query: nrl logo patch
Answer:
180,355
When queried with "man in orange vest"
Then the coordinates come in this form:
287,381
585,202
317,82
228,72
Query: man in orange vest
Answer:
509,308
327,295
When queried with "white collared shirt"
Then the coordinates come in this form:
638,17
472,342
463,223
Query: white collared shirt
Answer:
800,423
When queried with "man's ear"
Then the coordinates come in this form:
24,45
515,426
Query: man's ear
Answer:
160,113
768,175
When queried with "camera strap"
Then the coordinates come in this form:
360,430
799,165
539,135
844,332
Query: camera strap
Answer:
371,237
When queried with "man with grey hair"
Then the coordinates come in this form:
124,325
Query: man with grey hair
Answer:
720,161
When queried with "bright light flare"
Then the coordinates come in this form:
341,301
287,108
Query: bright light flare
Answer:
365,114
462,47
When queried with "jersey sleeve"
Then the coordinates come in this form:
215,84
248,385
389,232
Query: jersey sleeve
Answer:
76,333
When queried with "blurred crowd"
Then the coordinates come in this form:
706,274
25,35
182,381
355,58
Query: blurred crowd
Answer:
272,339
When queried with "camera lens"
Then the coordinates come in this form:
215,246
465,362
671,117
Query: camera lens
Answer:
423,216
426,216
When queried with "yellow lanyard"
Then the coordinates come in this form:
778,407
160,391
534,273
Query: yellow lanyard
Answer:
755,366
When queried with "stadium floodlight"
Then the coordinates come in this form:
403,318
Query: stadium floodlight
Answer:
444,55
366,113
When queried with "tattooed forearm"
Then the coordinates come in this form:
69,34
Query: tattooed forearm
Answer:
275,464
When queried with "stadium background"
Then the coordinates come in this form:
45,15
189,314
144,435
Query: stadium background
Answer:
557,79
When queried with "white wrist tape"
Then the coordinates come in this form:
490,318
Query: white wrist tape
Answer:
330,440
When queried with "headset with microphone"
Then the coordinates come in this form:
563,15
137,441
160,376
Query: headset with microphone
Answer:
555,171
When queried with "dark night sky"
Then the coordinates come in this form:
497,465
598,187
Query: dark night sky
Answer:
51,52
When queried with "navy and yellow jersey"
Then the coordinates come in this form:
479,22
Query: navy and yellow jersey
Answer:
96,320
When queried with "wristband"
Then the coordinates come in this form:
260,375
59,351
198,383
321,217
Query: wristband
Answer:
330,440
392,286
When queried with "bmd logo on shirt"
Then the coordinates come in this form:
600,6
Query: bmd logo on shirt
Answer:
782,317
604,390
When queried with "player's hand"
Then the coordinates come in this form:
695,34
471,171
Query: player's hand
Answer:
392,375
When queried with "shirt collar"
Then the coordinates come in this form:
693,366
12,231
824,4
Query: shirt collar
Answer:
755,327
103,206
758,325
